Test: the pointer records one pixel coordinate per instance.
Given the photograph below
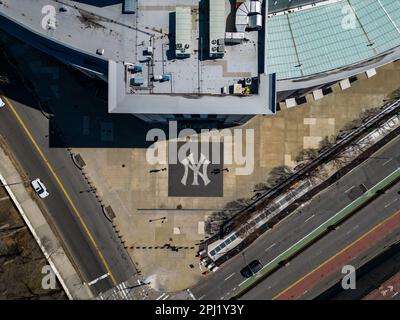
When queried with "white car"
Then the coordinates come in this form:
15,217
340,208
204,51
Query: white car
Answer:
39,188
2,104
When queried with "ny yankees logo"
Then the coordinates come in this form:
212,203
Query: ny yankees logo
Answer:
190,163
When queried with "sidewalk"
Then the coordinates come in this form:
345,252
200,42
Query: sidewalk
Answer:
43,234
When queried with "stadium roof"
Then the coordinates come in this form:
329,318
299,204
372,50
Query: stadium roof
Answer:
318,39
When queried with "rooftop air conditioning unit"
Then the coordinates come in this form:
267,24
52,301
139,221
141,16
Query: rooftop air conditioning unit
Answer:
179,46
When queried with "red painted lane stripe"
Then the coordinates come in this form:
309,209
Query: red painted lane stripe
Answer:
387,290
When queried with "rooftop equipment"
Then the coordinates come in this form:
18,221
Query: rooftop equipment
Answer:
137,69
255,21
183,36
137,80
130,6
237,88
248,15
217,28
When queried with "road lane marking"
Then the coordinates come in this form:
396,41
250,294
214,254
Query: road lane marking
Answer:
98,279
64,191
390,203
309,218
191,294
385,163
230,276
349,189
270,247
160,296
242,282
334,256
353,229
202,296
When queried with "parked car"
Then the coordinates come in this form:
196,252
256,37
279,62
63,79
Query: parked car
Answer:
252,268
40,188
2,104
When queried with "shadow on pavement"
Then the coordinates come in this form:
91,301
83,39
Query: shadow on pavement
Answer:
75,104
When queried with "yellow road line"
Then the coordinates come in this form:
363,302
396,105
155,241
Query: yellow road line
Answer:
333,257
63,190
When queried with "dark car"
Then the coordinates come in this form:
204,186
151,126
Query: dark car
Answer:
252,268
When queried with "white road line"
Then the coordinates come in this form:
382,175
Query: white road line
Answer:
385,163
309,218
349,189
230,276
160,296
348,232
390,203
165,297
124,290
271,246
243,282
191,294
202,296
98,279
5,198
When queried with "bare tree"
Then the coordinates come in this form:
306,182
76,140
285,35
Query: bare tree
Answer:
394,95
217,219
327,142
352,125
262,187
307,155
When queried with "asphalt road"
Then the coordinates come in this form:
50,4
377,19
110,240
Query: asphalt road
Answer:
327,247
224,283
371,275
74,237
